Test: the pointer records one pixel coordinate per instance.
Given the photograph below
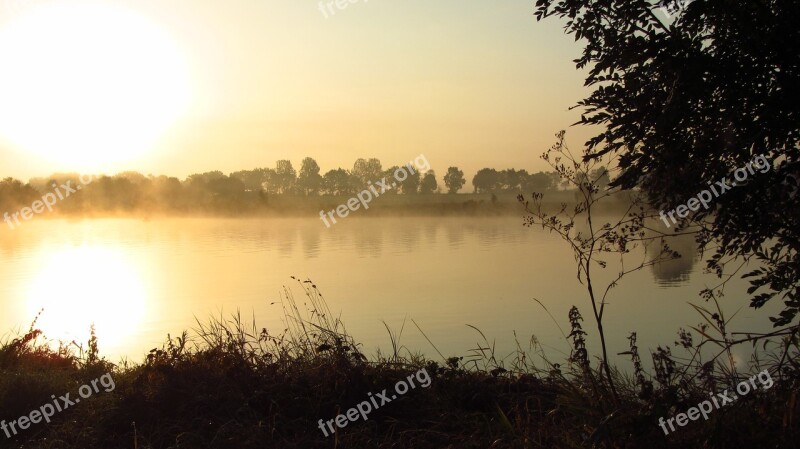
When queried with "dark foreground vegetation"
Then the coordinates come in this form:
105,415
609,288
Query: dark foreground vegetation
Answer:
229,385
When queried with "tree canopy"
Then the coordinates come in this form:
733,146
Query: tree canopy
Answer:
683,101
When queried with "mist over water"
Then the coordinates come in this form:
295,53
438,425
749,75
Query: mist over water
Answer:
140,280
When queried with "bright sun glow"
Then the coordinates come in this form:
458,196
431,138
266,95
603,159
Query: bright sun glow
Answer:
86,84
81,286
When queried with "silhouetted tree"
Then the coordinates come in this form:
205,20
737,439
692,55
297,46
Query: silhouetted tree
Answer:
337,182
511,180
366,171
15,195
539,182
601,178
309,181
410,186
253,179
167,193
202,179
286,177
227,186
428,184
683,103
272,182
388,175
134,177
46,184
454,180
486,180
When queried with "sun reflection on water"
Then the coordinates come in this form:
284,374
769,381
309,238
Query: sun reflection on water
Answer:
78,286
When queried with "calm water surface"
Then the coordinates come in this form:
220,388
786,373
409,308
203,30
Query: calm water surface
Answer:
139,280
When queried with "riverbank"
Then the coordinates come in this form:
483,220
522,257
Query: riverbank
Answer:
259,204
228,384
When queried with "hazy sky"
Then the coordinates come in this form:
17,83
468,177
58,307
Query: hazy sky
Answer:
467,83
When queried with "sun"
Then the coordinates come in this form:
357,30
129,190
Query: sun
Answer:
86,84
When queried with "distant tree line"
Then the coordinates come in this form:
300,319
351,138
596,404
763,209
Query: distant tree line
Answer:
251,189
285,180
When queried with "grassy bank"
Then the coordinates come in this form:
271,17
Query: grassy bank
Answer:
228,385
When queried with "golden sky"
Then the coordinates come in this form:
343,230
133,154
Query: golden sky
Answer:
183,86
